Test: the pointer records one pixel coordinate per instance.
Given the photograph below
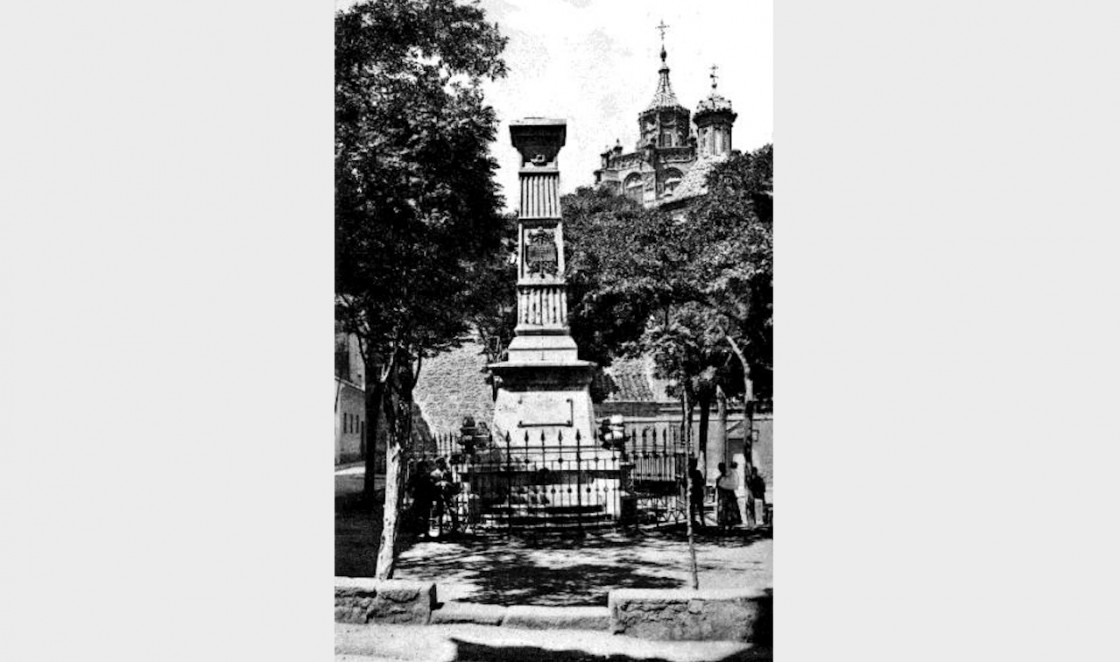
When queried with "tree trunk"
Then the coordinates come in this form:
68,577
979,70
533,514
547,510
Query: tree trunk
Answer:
386,553
396,451
748,403
373,398
721,416
688,489
705,400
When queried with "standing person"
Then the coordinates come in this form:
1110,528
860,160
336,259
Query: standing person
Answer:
696,492
727,514
423,495
446,489
756,488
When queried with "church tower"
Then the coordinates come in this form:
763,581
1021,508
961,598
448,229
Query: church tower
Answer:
670,162
714,119
665,122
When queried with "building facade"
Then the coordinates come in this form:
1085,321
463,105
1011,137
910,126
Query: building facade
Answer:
349,401
675,149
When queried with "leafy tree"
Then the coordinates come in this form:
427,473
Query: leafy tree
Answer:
691,292
494,298
622,266
416,206
736,267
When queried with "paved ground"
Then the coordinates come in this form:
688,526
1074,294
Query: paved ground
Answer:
431,643
553,570
357,528
565,571
349,481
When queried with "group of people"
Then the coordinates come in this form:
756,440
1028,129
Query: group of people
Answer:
433,490
727,502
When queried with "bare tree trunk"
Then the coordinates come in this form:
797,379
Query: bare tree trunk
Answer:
373,398
721,414
386,553
705,401
688,490
396,451
748,402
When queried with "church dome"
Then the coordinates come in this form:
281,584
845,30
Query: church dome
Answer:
663,96
713,103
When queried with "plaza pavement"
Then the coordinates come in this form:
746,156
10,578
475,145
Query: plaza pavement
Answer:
553,569
445,643
566,571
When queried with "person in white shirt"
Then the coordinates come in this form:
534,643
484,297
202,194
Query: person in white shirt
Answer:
728,504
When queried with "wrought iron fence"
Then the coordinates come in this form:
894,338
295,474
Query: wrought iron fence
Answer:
557,482
537,481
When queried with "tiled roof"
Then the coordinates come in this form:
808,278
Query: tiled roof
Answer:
663,97
631,380
695,181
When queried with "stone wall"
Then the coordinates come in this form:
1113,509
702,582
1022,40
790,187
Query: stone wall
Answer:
676,614
361,600
453,385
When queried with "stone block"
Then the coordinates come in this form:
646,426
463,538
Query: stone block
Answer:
362,600
714,614
468,612
557,618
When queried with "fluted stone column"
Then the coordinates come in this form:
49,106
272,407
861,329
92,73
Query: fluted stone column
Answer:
543,386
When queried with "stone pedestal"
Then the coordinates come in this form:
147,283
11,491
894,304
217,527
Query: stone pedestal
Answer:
550,398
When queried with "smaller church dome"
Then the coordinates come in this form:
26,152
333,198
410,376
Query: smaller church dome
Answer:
713,103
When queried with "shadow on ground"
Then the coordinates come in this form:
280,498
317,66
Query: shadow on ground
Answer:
552,568
471,651
561,571
357,535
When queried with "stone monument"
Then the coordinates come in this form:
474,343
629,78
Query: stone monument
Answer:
543,386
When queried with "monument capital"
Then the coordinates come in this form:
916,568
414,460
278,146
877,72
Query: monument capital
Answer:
538,140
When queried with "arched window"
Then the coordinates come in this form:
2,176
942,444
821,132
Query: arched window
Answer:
670,180
634,187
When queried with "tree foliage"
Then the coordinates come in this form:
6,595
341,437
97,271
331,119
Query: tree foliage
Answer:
417,218
736,267
686,291
608,310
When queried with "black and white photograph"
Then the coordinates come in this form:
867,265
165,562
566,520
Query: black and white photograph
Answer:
554,404
436,330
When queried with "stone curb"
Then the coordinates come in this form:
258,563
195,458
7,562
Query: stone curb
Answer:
744,615
557,618
469,612
677,614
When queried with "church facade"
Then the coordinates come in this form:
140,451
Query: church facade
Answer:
675,149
